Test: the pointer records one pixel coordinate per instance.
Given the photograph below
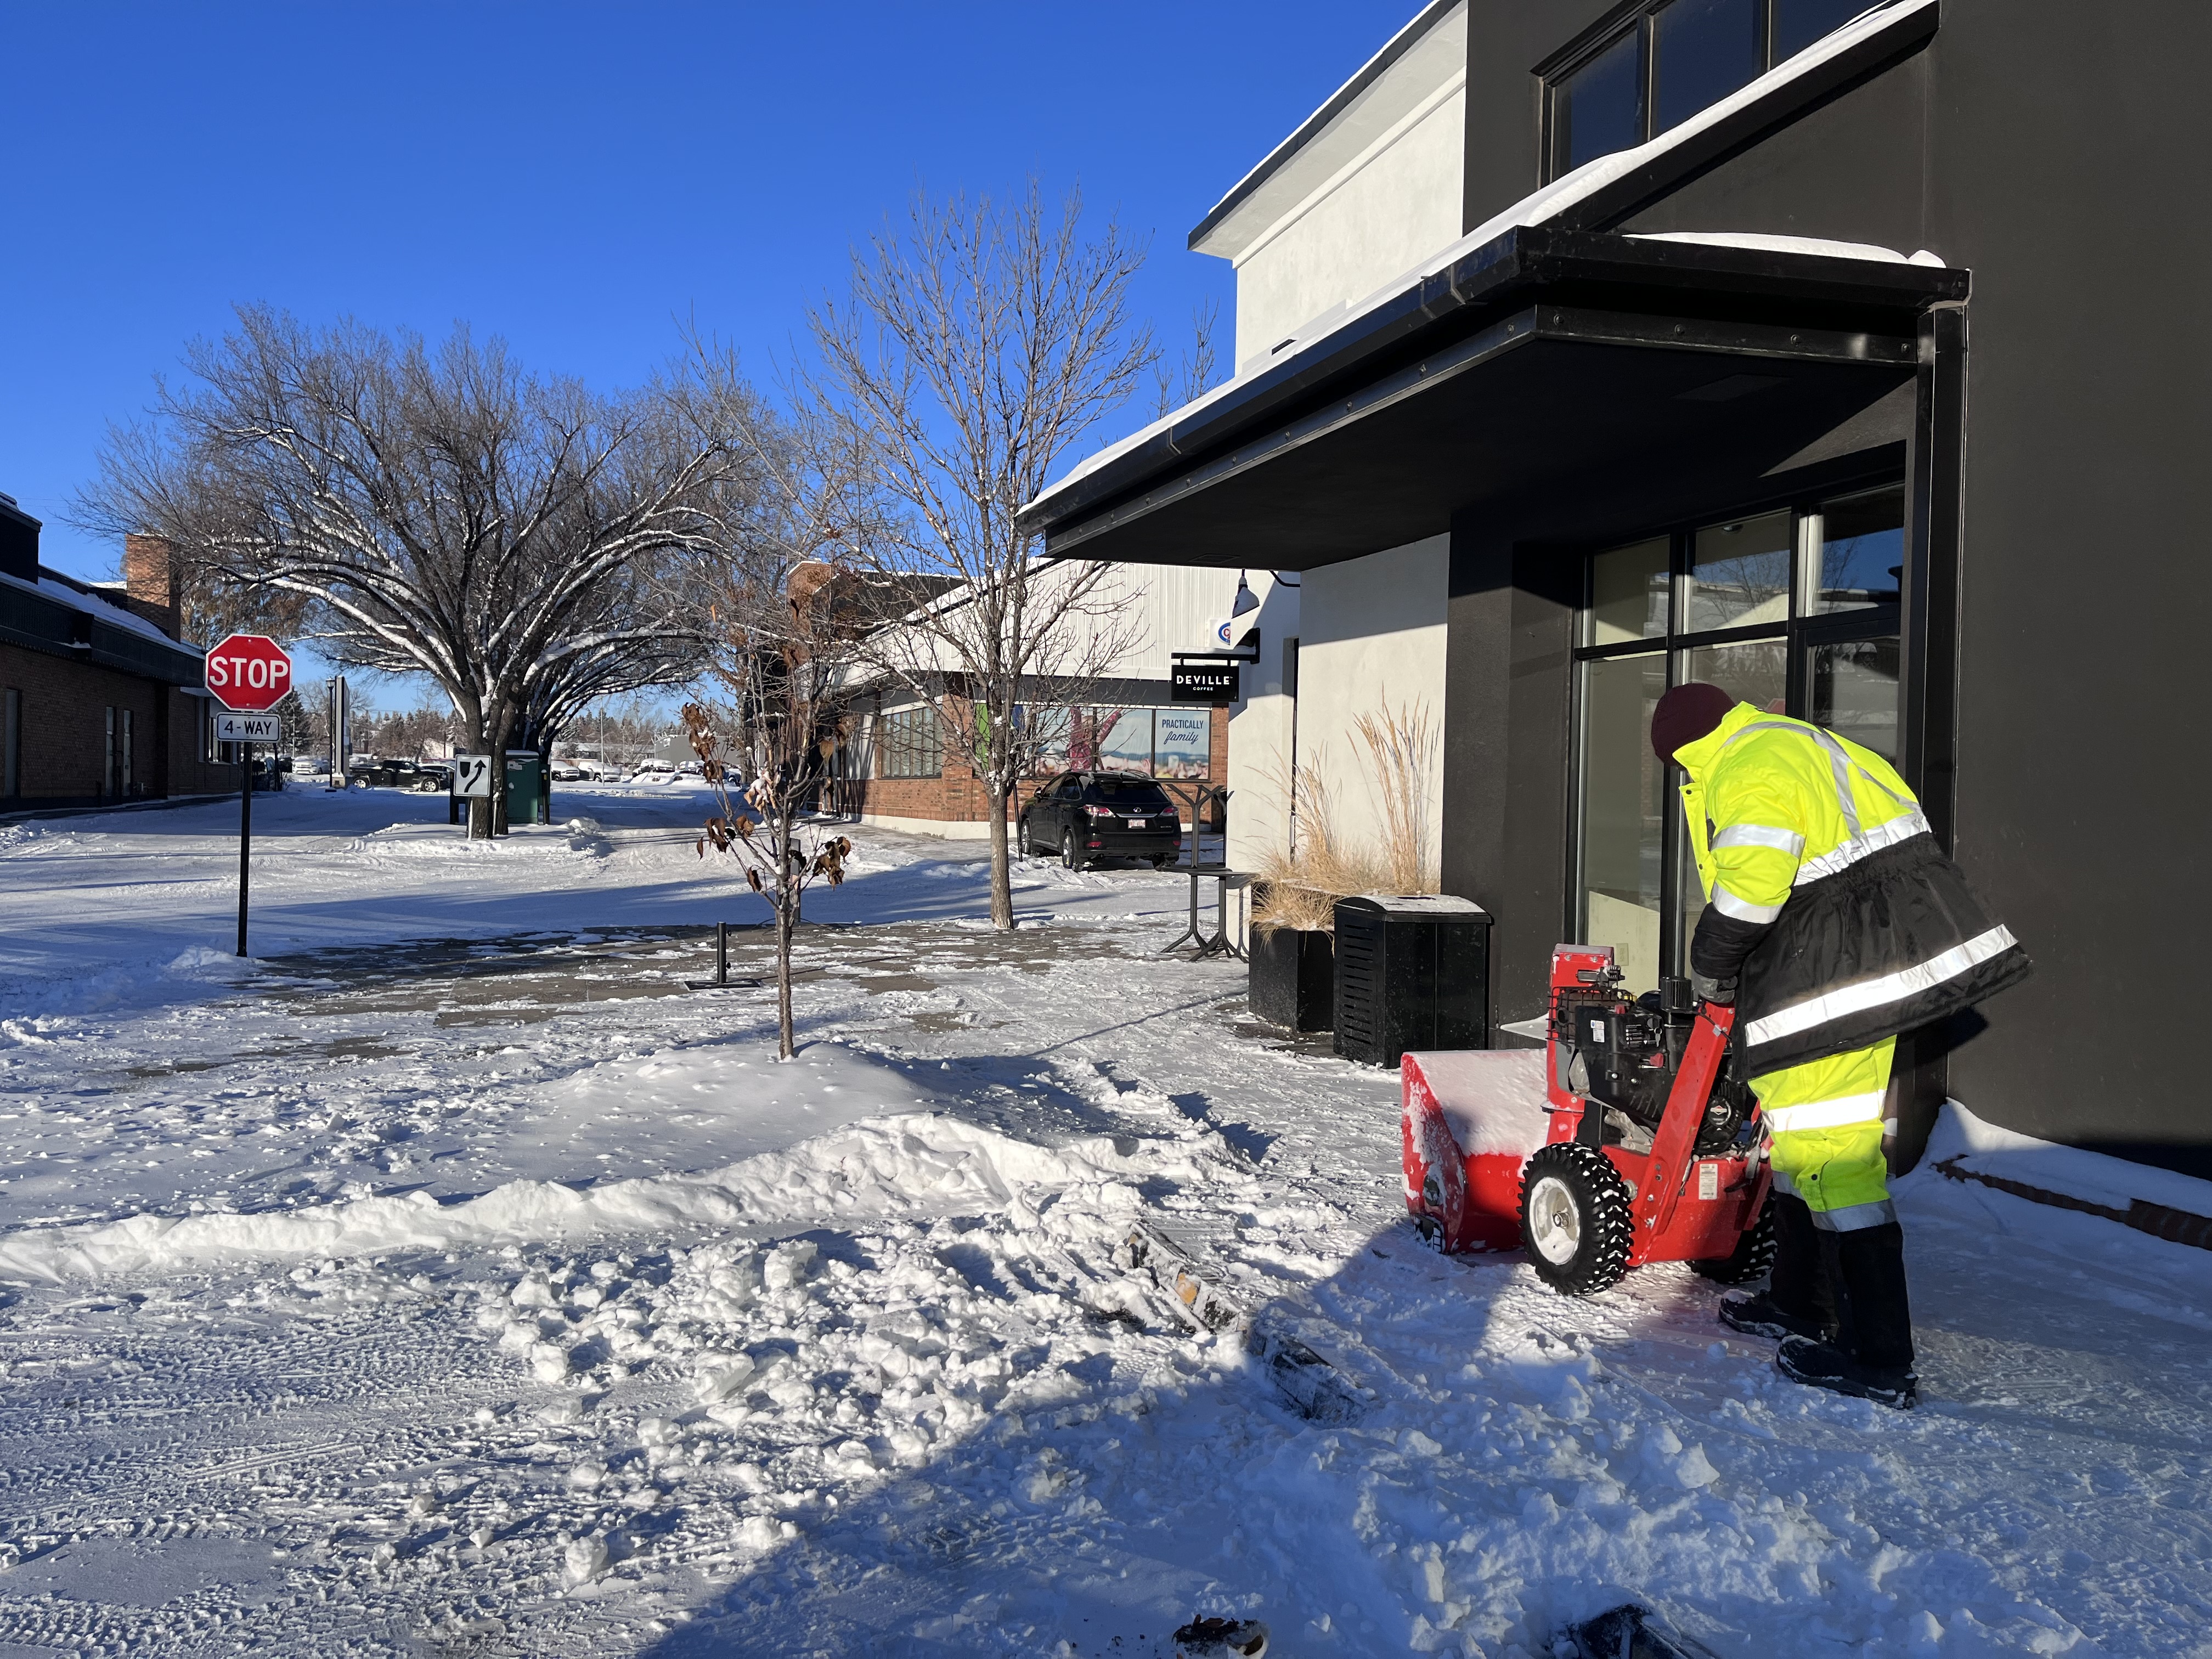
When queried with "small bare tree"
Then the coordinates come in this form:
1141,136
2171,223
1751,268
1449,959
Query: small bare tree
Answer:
979,343
787,607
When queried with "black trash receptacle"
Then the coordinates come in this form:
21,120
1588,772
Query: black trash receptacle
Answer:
1413,971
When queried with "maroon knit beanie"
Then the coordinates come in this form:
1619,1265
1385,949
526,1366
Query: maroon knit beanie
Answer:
1686,713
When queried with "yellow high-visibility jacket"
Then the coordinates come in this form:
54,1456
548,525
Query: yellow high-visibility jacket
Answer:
1828,894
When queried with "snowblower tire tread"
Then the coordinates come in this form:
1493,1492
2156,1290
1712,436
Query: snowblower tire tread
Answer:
1608,1225
1753,1255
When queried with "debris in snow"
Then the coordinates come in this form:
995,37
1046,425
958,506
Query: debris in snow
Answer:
1302,1377
1220,1638
1630,1632
1198,1293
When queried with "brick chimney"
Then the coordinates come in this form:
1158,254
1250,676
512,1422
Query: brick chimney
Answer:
149,579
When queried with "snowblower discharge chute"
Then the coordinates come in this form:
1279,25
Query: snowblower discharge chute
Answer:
1647,1149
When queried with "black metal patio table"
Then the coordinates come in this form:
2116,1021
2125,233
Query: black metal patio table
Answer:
1220,945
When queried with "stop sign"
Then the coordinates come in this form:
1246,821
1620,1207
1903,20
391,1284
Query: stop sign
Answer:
249,674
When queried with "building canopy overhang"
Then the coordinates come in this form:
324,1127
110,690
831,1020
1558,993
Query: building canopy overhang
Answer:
1552,379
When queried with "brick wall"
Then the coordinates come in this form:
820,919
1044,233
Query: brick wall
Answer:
65,737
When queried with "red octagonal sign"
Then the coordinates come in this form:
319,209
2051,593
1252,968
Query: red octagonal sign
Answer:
249,674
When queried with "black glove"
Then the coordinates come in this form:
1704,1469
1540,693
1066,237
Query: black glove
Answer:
1721,991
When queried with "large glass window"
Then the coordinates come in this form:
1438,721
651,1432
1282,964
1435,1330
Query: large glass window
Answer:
1654,70
909,744
1785,609
1862,550
1701,51
1798,23
1739,574
1599,108
1850,688
1624,793
1628,593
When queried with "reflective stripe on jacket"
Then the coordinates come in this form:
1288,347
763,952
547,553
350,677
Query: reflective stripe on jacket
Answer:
1825,884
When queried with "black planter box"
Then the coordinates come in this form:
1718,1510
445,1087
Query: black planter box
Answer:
1293,981
1412,972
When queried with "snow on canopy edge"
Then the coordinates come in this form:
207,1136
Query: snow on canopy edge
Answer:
1986,1148
1819,248
1534,208
1491,1099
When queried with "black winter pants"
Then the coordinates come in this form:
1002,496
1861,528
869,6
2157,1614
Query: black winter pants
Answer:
1854,1282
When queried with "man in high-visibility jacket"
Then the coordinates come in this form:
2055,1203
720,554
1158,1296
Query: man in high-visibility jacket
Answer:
1834,922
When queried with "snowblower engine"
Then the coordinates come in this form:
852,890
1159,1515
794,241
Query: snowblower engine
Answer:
1623,1055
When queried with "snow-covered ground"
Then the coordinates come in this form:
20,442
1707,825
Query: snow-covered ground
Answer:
453,1279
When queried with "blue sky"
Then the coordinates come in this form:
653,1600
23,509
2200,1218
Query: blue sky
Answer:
574,178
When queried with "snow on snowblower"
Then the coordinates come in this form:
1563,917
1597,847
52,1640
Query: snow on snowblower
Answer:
1637,1146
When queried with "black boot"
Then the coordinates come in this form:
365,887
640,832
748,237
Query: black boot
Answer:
1800,1299
1824,1365
1873,1359
1760,1314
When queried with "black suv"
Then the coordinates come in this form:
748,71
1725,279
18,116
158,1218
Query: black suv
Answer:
422,778
1085,815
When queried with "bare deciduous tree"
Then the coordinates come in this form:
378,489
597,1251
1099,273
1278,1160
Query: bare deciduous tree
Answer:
786,593
445,512
979,343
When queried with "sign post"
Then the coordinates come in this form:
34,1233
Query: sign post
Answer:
249,675
472,781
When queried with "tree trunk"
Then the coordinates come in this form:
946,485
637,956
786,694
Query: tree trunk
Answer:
787,920
1002,885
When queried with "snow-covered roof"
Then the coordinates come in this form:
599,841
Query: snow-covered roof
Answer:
147,650
1544,205
83,596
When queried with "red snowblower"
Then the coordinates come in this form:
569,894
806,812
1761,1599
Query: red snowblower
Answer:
1636,1145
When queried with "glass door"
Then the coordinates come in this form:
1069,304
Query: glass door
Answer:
1792,610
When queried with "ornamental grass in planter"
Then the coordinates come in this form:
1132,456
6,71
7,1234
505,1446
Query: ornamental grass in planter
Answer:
1292,981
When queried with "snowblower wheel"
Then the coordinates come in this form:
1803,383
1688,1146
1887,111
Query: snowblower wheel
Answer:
1575,1218
1753,1255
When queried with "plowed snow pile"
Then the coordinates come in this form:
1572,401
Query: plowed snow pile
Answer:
453,1279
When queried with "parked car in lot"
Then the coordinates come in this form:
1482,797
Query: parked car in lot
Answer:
423,777
653,771
567,772
1088,816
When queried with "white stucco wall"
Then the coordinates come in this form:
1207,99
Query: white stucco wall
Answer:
1361,200
1259,732
1397,205
1373,641
1370,635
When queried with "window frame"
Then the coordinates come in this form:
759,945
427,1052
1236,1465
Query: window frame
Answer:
906,736
1639,17
1803,629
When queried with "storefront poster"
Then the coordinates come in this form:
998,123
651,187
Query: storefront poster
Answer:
1048,737
1183,743
1125,740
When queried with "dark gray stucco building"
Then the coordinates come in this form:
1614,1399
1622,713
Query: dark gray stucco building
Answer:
1927,487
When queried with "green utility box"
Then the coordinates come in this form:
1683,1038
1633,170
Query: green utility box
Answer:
528,789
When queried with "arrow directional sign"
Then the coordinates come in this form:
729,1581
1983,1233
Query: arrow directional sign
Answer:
247,728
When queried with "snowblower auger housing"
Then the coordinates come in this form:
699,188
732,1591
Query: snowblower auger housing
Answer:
1649,1149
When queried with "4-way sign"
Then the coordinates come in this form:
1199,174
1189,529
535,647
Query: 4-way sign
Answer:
249,673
